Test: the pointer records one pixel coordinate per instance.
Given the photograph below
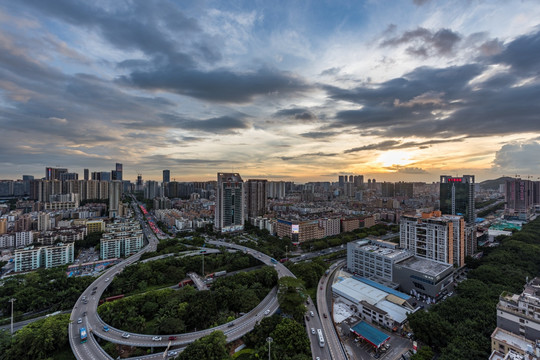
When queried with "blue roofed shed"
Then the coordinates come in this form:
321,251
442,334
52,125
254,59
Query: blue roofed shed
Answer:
370,334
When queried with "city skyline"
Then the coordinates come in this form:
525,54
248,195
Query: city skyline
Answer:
283,91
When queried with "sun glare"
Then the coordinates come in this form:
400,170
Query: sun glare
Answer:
390,158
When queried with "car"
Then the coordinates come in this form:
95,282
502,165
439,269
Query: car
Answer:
156,338
94,288
313,331
107,279
106,328
79,321
266,312
387,346
84,313
317,358
321,287
230,324
93,292
311,313
172,338
325,316
125,335
172,353
307,318
377,355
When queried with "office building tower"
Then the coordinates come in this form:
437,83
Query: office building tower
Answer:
86,174
115,193
105,176
229,211
117,173
434,236
275,189
255,198
166,176
139,185
341,180
457,196
54,173
351,178
358,180
151,189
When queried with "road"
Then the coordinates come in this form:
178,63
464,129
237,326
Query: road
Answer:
333,342
19,325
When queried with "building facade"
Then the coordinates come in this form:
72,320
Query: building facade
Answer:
229,211
434,236
255,196
457,196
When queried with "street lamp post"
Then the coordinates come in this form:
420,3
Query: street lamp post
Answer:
269,340
12,300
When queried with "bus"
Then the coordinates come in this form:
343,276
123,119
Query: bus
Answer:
321,338
84,336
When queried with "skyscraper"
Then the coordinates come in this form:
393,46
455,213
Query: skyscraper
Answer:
255,198
519,197
166,176
457,196
229,212
54,173
86,174
115,192
117,173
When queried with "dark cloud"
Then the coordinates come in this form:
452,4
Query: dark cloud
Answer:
491,47
331,71
406,169
384,145
297,114
219,85
319,134
425,42
420,2
150,26
523,54
445,102
216,125
309,155
518,157
395,144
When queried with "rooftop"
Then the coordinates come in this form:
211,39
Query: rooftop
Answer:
426,266
511,339
371,334
383,251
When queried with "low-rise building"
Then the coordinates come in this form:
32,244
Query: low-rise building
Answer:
32,258
520,313
506,345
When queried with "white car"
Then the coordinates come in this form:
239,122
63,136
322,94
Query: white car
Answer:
267,312
107,279
79,321
311,313
156,338
313,331
125,335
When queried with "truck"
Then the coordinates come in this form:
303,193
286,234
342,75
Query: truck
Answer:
113,298
83,334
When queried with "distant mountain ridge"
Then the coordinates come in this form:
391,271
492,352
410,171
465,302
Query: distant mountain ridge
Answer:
494,184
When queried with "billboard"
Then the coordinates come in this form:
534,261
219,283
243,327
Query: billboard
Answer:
295,228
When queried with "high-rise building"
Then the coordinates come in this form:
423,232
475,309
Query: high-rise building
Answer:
166,176
3,226
457,196
86,174
434,236
54,173
229,212
69,176
117,173
519,197
255,198
115,192
151,189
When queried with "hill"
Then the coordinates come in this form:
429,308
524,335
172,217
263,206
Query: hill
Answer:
494,184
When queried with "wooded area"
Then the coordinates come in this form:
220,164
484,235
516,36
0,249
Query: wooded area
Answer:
460,327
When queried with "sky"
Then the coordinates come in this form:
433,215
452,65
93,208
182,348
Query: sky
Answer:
283,90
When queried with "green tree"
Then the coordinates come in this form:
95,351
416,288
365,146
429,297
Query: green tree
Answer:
290,297
424,353
210,347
